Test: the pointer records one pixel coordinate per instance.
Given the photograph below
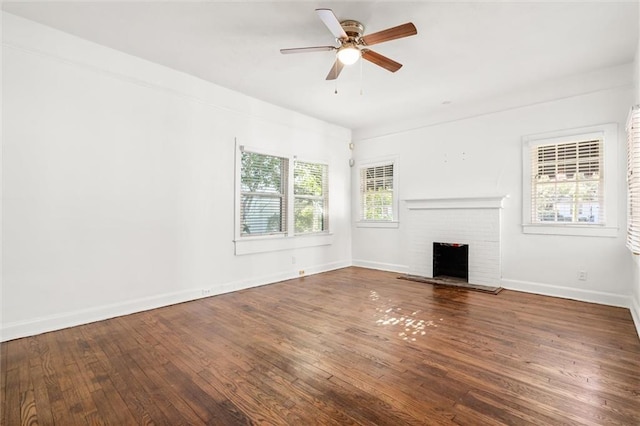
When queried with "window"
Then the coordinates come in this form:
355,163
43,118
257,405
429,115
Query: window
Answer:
311,198
569,182
277,199
633,180
263,194
378,200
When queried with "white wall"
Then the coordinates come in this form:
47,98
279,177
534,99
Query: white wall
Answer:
119,183
482,155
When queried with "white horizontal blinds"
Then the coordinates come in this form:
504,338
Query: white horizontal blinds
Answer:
311,197
263,189
633,180
567,182
376,190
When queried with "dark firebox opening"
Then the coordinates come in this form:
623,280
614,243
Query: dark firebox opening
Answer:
451,260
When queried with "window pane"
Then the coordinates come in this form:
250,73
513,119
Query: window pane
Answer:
308,179
567,182
262,214
309,215
589,212
262,173
564,211
378,205
546,213
310,187
376,191
263,186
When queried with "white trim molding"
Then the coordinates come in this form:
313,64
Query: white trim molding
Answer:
571,230
635,314
377,224
270,243
389,267
488,202
600,297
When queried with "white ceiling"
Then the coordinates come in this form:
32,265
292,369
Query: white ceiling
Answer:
463,51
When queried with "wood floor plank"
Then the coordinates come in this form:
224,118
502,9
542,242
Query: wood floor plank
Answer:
12,414
346,347
190,392
3,383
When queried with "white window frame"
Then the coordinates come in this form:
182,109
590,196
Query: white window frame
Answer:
394,221
608,133
324,197
633,180
250,244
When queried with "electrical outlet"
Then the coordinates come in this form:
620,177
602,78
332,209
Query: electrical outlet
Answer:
293,260
206,292
582,275
301,272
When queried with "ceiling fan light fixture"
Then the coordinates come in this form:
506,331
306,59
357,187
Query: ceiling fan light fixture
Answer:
348,54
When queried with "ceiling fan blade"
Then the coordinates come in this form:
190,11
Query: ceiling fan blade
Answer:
329,18
335,70
404,30
307,49
380,60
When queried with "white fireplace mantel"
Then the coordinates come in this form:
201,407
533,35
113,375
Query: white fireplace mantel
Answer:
490,202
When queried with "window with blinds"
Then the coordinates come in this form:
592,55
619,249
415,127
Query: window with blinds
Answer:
311,197
633,180
263,194
377,193
567,183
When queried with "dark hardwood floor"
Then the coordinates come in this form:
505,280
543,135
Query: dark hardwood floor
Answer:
352,346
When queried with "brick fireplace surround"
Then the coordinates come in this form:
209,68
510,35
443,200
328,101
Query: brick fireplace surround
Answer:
468,220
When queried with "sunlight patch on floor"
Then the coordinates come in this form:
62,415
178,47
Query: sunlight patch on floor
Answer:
411,326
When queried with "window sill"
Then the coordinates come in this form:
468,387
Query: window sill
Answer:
377,224
573,230
251,245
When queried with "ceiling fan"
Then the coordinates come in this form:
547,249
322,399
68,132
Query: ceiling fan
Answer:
353,44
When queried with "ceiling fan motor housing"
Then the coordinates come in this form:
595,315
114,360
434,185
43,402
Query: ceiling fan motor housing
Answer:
354,29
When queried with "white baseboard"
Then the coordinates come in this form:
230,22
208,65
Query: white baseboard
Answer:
35,326
390,267
16,330
270,279
602,298
635,314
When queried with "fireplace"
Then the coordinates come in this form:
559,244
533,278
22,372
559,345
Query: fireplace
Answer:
451,260
471,221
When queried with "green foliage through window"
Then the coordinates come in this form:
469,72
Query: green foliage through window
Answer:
310,191
263,189
265,195
376,193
